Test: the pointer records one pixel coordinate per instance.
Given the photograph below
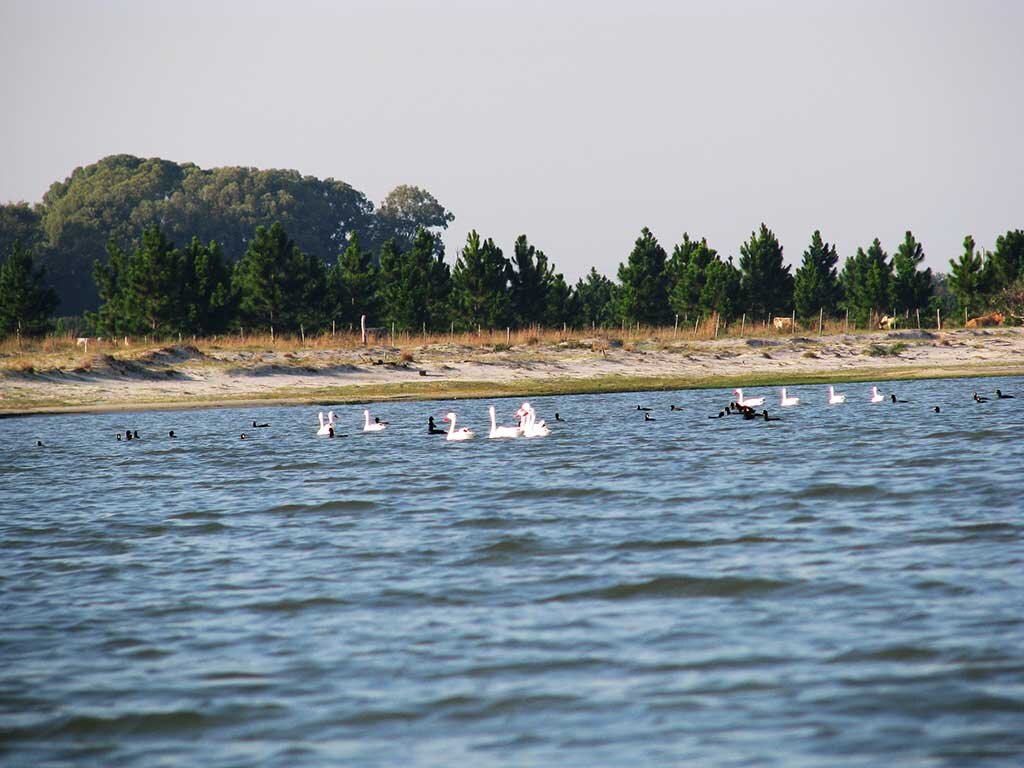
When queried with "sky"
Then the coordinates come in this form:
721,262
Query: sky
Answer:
577,122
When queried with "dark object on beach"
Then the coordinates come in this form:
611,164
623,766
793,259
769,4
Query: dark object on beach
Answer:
422,372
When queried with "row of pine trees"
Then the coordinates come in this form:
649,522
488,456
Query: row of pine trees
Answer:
161,289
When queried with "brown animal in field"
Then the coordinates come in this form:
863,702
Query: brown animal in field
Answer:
887,323
782,323
984,321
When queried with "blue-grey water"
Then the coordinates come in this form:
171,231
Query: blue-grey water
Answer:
844,587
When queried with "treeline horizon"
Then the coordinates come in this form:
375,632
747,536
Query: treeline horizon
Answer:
159,288
128,246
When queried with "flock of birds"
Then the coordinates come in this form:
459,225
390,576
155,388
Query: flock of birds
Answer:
528,425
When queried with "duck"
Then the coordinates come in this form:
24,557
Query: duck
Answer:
648,417
432,428
720,414
936,409
119,437
766,417
892,397
979,399
674,408
787,401
127,434
135,434
876,396
242,436
559,418
642,408
171,434
374,427
740,400
833,398
502,432
378,420
463,433
39,443
257,426
1001,396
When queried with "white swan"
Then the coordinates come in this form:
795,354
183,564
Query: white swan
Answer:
325,426
528,421
833,398
498,432
788,401
748,401
876,396
371,427
463,433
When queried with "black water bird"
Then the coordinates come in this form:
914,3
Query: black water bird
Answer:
171,434
642,408
769,418
127,434
893,398
979,399
259,425
432,428
648,417
720,415
118,437
135,435
559,418
376,420
1001,396
39,443
936,409
242,436
674,408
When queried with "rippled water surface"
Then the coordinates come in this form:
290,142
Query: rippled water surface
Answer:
842,587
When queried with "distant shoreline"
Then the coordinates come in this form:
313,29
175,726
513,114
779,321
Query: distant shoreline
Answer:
183,377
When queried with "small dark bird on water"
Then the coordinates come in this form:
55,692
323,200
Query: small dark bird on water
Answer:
432,428
118,437
936,409
127,434
769,418
259,425
135,435
979,399
642,408
674,408
720,415
377,420
648,417
39,443
242,436
1001,396
893,398
171,434
559,418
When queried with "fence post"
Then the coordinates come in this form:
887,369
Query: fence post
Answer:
508,335
821,317
333,328
675,329
718,319
695,324
392,333
792,322
362,327
847,327
938,319
743,323
918,313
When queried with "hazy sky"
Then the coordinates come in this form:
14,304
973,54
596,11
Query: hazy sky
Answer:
577,122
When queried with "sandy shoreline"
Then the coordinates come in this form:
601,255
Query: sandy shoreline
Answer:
182,376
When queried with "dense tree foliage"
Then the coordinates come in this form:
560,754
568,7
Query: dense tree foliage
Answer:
911,286
415,284
596,300
26,302
766,285
867,284
643,292
816,289
352,287
703,284
480,281
20,223
968,278
404,211
1007,260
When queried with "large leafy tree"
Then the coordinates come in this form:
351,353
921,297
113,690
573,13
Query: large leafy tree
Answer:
968,278
415,284
867,283
21,223
279,286
405,210
26,302
480,282
595,300
352,286
816,283
912,286
765,282
1007,260
643,296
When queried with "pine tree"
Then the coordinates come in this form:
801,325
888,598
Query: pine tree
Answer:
967,278
688,267
352,286
643,296
816,283
911,287
209,300
721,291
154,282
26,302
529,284
1008,259
480,282
766,284
114,316
595,300
867,284
415,285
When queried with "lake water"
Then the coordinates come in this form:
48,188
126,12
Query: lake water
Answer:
843,587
